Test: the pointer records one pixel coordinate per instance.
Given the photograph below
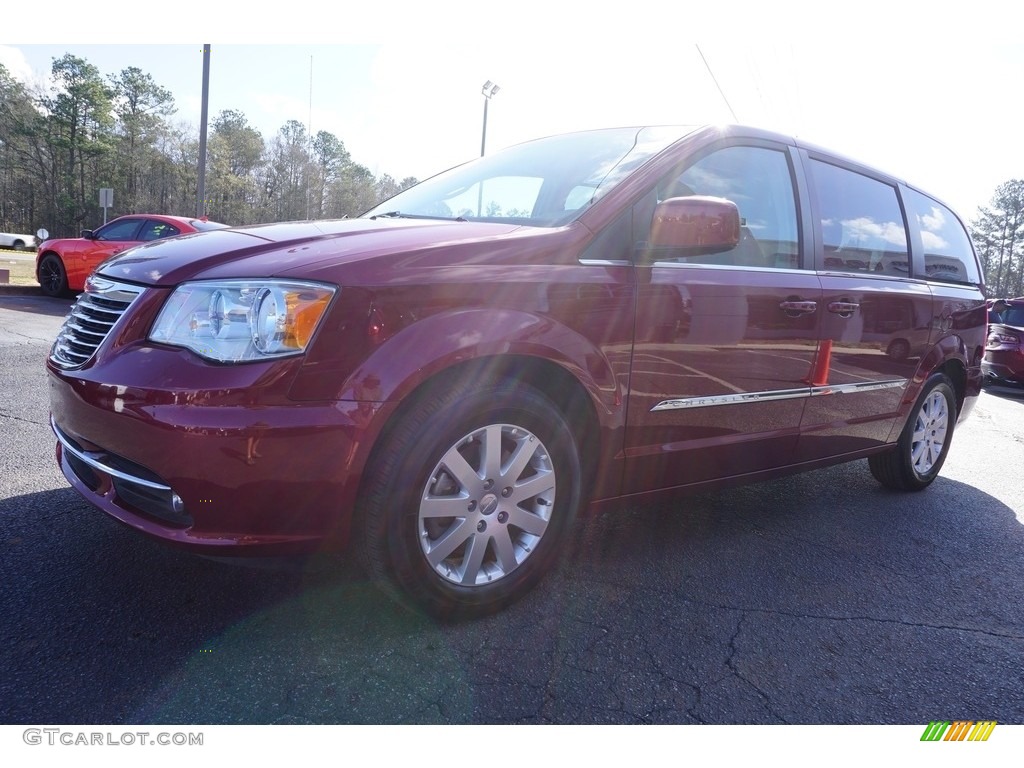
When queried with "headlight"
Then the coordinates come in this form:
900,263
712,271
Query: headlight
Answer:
234,321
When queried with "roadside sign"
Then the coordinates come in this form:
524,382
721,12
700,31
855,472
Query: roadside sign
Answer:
106,201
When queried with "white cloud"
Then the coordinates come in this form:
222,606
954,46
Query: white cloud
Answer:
863,230
16,63
934,221
933,242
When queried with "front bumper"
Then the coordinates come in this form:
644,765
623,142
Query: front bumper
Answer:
210,473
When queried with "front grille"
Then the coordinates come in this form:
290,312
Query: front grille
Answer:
91,319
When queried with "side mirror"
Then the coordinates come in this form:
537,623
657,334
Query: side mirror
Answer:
88,234
693,226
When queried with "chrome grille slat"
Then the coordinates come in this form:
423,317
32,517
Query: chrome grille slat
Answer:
90,321
82,329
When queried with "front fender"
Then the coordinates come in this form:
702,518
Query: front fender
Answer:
423,349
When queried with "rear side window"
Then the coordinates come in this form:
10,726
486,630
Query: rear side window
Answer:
948,254
861,222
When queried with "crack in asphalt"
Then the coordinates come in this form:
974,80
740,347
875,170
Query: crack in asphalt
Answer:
730,662
6,415
41,339
874,619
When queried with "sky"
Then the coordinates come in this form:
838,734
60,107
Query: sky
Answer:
933,101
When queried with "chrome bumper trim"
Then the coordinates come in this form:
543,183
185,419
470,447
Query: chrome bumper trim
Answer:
86,459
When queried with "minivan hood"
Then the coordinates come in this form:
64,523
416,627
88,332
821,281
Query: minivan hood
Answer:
274,249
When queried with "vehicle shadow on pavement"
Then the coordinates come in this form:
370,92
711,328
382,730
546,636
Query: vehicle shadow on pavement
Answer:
1006,393
814,599
36,305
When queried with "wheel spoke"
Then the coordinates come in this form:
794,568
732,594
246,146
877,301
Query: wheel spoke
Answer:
524,451
491,463
456,464
474,558
535,486
528,521
444,506
504,549
440,549
916,453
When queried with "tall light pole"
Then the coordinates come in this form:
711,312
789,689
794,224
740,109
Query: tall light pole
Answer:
201,206
488,91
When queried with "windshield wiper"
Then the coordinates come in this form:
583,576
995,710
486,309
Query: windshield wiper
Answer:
400,215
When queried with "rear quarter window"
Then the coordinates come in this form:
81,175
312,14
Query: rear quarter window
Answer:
948,255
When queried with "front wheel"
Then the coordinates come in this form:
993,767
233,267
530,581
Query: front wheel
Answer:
470,498
924,442
53,278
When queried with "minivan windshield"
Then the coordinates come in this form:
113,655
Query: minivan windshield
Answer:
543,183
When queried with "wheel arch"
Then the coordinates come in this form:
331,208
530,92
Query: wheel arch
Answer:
66,285
956,370
948,356
43,255
559,385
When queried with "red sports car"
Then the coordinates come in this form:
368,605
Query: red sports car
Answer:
63,265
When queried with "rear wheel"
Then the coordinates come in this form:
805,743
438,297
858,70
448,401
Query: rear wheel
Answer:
53,279
924,442
470,498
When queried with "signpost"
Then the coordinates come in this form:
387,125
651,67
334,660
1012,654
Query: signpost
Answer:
106,201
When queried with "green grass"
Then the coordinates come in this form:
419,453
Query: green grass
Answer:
23,271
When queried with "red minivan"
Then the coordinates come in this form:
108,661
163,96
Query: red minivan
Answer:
443,383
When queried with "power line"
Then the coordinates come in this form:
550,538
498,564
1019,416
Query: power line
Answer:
735,119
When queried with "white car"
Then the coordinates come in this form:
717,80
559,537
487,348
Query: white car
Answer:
18,242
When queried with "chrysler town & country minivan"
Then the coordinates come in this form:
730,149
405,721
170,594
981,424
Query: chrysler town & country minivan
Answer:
442,384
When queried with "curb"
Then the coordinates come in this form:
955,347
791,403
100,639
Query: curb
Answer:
20,290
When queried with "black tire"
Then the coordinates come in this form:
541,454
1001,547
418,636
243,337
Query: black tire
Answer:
922,447
53,278
19,245
509,518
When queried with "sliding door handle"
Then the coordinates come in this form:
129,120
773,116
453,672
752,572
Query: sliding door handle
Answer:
794,308
843,308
